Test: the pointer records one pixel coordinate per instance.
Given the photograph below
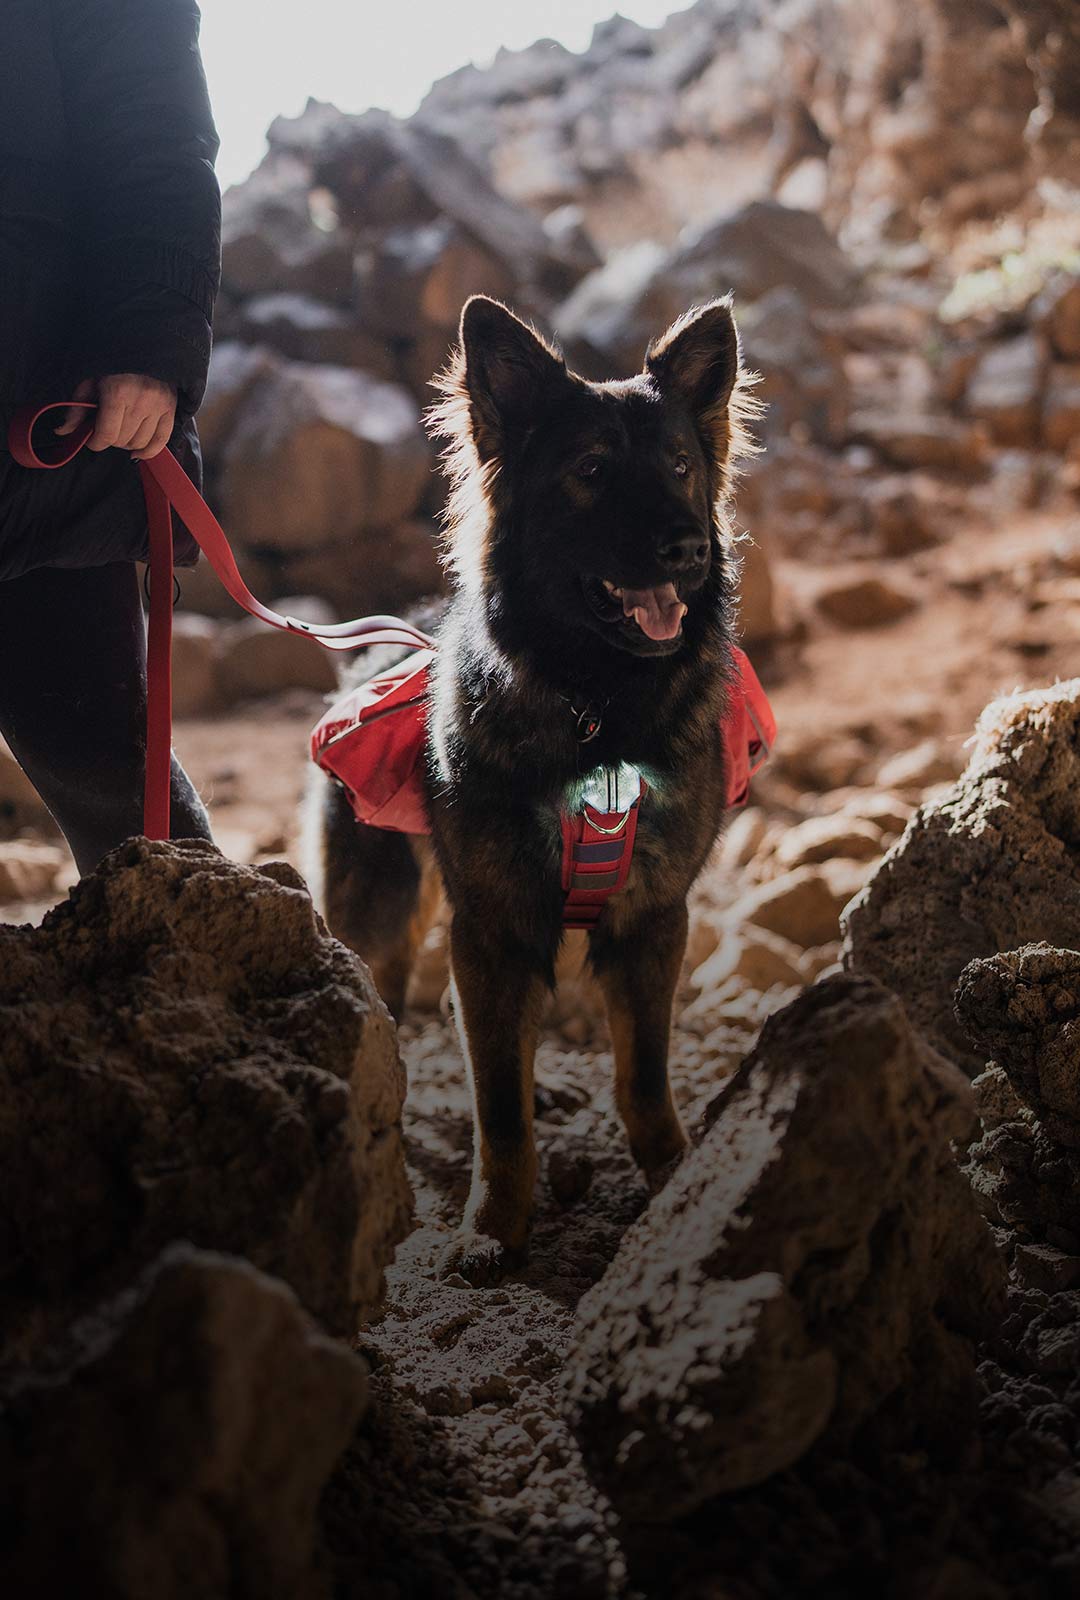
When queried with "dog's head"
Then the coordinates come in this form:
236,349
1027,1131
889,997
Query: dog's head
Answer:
592,508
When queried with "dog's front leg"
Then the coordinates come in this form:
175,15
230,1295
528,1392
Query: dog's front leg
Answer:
497,1002
638,969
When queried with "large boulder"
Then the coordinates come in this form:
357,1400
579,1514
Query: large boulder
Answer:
271,239
759,248
179,1445
815,1269
319,453
235,371
188,1055
988,867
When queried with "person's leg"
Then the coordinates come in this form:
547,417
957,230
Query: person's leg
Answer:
73,704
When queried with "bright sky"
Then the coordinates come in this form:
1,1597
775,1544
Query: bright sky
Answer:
265,57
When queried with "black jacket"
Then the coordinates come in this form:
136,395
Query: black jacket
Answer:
110,223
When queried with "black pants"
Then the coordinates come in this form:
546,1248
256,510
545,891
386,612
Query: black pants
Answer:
73,704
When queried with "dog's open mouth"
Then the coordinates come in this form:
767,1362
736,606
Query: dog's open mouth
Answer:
656,612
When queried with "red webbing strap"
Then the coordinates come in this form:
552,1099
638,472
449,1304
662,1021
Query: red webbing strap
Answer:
597,851
167,488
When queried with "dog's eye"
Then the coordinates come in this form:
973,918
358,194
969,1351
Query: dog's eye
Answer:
589,467
682,466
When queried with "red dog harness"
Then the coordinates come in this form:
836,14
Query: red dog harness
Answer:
373,741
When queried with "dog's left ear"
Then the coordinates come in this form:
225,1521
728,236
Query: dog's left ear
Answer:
510,374
698,360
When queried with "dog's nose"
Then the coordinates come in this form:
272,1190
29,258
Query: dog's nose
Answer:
680,552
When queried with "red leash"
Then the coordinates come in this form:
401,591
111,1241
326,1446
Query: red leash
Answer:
167,488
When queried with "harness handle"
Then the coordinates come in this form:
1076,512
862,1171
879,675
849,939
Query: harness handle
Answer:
167,488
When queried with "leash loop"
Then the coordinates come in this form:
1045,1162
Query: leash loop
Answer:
167,489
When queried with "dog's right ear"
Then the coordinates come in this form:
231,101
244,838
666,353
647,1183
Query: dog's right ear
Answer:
510,374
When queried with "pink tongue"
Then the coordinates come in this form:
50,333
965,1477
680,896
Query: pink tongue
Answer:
657,612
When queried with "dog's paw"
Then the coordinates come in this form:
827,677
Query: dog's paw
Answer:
478,1258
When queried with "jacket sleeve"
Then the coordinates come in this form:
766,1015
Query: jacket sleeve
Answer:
147,205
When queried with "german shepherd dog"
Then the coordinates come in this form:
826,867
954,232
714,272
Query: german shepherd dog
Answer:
587,547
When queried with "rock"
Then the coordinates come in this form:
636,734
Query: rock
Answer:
431,970
826,838
764,246
759,1307
426,273
1023,1181
28,870
184,1041
803,905
820,761
706,930
181,1448
195,660
803,383
1005,389
202,592
757,622
257,660
760,958
505,232
304,329
926,763
1022,1010
940,444
757,248
382,569
235,372
902,521
823,961
1057,311
886,811
271,240
318,454
985,868
570,1174
742,837
865,603
1061,412
591,321
1041,1266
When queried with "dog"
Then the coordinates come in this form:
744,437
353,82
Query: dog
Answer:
589,626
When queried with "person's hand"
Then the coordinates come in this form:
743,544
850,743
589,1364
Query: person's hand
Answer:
134,413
